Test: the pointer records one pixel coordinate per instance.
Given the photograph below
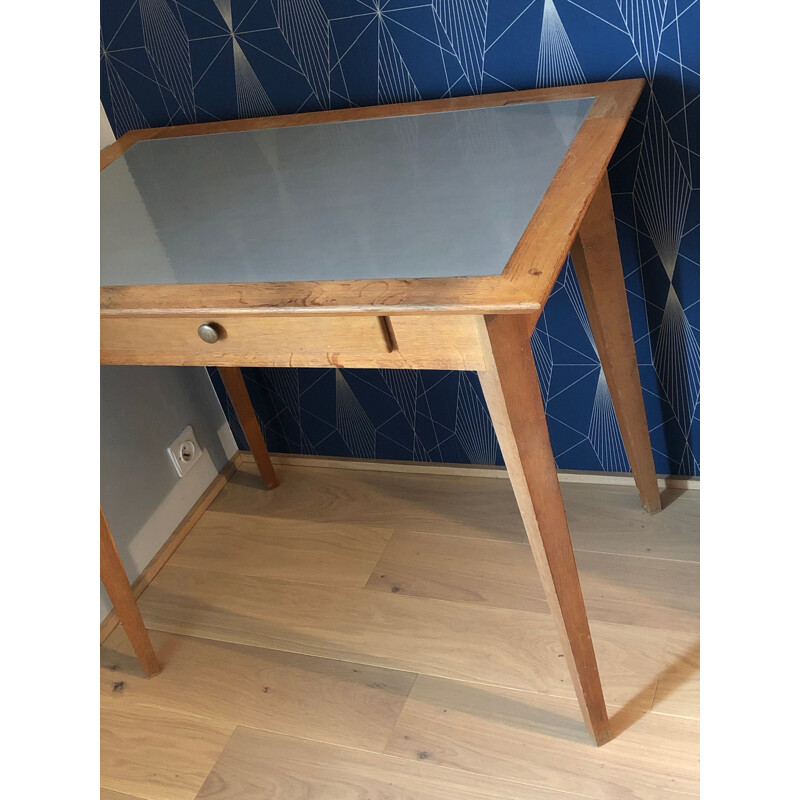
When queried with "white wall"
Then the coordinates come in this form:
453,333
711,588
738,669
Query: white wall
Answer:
106,134
142,409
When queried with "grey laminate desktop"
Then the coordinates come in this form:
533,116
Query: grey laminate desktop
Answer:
398,197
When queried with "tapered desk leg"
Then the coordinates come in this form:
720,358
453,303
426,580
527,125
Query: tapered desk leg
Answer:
598,266
511,388
112,573
237,391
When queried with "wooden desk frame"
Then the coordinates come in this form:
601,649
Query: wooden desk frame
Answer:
477,323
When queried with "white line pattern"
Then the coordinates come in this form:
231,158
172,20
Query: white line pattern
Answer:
251,98
474,425
464,23
645,21
676,358
558,65
604,433
661,190
352,421
167,46
306,29
395,84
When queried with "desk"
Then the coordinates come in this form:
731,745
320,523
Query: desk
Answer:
424,235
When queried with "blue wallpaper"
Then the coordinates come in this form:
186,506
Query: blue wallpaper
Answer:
165,62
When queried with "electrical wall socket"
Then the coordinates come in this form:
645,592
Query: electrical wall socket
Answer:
184,452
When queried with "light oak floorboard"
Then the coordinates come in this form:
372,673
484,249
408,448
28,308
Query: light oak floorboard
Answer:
155,753
542,741
227,684
410,502
287,549
601,518
257,765
656,593
263,610
610,519
678,690
109,794
504,647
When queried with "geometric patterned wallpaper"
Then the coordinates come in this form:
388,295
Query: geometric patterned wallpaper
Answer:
165,62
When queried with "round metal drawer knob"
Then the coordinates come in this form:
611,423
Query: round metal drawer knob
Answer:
209,332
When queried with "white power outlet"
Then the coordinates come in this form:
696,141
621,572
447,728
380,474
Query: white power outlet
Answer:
184,451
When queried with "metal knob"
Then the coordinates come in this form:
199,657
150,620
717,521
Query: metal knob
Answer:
209,332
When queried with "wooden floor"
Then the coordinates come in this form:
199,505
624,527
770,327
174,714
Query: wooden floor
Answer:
359,634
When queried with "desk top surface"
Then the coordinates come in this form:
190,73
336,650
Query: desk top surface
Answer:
422,196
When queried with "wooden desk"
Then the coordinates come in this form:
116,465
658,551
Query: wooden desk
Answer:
416,236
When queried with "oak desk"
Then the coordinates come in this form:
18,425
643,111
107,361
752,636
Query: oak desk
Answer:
424,235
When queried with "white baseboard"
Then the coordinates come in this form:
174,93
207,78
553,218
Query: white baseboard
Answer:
466,470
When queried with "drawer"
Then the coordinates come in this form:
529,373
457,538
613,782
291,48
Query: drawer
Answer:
243,340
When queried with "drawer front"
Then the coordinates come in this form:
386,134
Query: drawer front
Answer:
438,341
244,339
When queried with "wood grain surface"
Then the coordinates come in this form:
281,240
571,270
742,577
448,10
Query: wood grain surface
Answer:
604,519
376,693
655,593
402,342
436,637
598,266
284,549
511,389
259,765
115,580
239,396
228,685
533,739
